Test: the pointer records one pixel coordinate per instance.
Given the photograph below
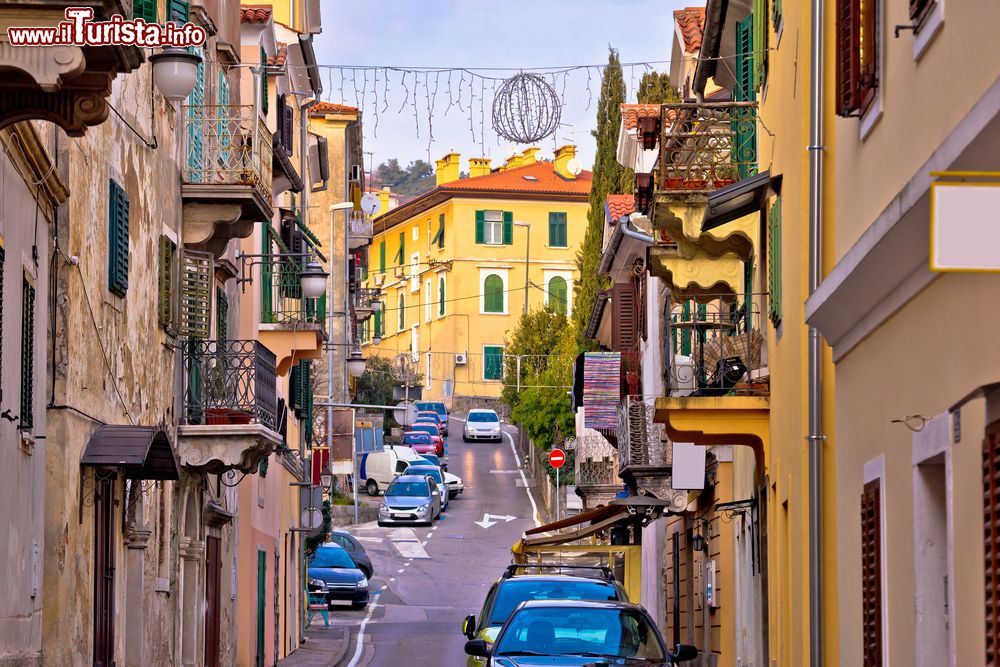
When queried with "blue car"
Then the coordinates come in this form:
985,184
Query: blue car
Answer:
332,571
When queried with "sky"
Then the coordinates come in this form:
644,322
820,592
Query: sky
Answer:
480,34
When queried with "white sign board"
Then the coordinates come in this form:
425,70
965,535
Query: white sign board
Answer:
965,226
688,466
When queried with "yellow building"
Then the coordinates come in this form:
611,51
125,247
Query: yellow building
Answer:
452,263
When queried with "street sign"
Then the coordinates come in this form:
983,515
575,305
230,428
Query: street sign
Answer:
405,413
557,458
312,518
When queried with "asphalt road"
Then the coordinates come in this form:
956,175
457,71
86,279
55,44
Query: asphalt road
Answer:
428,579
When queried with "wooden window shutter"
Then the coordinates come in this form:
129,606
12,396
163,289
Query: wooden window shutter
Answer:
294,386
991,541
402,248
167,281
178,11
145,10
381,257
774,262
27,356
919,9
508,227
624,323
441,296
745,90
263,82
868,57
848,58
197,269
288,128
221,315
871,574
775,14
493,295
760,20
480,224
117,239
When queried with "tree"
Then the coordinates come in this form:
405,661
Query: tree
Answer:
416,178
536,336
655,88
609,178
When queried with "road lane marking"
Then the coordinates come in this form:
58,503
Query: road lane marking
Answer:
411,549
517,459
487,519
361,636
504,472
392,578
400,571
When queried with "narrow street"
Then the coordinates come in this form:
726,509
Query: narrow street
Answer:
428,579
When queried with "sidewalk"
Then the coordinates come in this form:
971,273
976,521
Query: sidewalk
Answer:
324,647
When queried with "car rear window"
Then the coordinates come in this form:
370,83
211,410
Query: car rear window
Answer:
515,591
431,471
482,417
417,439
431,406
415,489
426,428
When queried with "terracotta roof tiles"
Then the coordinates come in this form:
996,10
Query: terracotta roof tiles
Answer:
331,107
255,14
539,177
691,22
619,205
631,113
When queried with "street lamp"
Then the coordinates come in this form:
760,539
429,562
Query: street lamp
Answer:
313,279
175,71
527,255
356,363
326,479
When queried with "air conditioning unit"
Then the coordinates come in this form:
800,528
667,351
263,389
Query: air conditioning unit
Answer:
356,173
399,272
461,359
379,279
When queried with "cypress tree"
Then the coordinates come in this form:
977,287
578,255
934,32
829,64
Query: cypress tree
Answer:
655,88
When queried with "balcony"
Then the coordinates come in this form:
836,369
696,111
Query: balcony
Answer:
367,301
706,146
226,180
597,480
360,229
229,417
291,325
644,453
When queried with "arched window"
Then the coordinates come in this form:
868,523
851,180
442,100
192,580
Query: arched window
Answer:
441,296
493,294
557,294
402,311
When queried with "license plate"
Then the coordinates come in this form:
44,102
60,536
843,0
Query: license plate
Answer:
401,516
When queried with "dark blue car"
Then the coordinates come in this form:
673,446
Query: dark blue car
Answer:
332,571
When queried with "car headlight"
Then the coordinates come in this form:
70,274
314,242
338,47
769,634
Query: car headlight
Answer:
383,510
317,583
424,507
363,583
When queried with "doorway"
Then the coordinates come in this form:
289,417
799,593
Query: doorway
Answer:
261,592
104,569
213,577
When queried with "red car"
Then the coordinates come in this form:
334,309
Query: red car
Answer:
428,416
433,431
419,442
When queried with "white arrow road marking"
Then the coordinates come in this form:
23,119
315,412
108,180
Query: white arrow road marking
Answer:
486,522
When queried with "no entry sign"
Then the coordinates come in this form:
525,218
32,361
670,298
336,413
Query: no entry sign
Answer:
557,458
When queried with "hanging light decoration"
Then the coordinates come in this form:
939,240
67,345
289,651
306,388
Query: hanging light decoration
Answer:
526,109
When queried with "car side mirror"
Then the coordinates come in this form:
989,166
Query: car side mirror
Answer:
684,652
469,626
435,493
477,647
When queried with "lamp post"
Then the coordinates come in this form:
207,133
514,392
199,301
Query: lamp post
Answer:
326,477
527,256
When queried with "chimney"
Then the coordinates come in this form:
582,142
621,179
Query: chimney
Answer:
562,157
447,168
479,166
383,200
513,161
531,155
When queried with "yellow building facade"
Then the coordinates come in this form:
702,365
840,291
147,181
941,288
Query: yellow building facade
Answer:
455,268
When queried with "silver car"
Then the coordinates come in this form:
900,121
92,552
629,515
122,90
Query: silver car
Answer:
410,499
482,424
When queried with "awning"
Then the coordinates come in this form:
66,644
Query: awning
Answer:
739,199
141,452
586,523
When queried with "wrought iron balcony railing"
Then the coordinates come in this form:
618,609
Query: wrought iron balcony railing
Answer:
719,347
706,146
640,440
282,301
596,462
229,382
226,144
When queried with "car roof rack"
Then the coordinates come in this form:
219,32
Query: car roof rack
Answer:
602,570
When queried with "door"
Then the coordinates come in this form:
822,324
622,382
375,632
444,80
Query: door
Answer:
213,578
104,570
261,591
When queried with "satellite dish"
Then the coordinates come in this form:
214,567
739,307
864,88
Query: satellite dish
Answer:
370,203
511,152
574,166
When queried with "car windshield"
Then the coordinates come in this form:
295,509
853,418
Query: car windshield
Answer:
331,557
515,591
431,458
617,633
431,471
432,407
417,439
429,416
482,417
415,489
426,428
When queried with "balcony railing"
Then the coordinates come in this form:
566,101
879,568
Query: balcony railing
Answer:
720,347
281,295
706,146
229,382
225,145
640,440
360,230
596,462
366,302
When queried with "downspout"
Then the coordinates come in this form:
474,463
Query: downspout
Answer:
304,213
815,439
347,253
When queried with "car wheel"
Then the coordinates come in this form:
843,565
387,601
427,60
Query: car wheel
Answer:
465,438
371,487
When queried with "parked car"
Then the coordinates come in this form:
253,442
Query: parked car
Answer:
432,417
379,468
435,473
482,424
420,442
453,483
439,408
578,632
431,430
539,582
410,499
434,460
332,571
354,548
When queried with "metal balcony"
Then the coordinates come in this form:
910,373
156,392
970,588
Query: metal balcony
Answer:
360,229
706,146
281,296
367,301
229,414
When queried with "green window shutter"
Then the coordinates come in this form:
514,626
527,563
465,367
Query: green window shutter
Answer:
493,294
441,297
117,239
27,356
294,390
221,315
493,362
480,225
673,333
145,10
263,82
760,18
401,316
168,254
686,331
378,323
195,130
178,11
402,248
745,119
774,262
557,230
508,227
197,269
557,294
745,91
439,235
775,14
381,257
266,279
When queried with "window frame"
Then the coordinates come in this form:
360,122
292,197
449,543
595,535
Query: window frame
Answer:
874,475
486,354
484,275
495,225
556,225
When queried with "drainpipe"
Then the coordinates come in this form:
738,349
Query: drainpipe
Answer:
304,212
815,439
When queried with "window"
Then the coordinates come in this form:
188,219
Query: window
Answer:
402,311
117,239
145,10
745,153
493,294
221,315
195,138
415,232
415,272
871,573
931,545
198,269
557,230
27,355
167,280
493,362
556,294
178,11
381,257
439,235
774,262
494,227
857,55
428,300
441,297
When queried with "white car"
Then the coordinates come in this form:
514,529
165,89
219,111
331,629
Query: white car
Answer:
482,424
454,484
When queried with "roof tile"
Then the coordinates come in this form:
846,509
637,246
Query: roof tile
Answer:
540,176
278,59
691,21
255,13
331,107
631,113
620,205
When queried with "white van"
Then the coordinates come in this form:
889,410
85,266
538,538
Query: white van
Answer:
378,469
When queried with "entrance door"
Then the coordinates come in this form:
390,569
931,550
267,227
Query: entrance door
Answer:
104,570
213,577
261,588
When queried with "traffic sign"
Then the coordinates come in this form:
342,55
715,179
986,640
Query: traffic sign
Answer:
557,458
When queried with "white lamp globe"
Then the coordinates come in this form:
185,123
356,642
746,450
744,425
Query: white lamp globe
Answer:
313,279
175,71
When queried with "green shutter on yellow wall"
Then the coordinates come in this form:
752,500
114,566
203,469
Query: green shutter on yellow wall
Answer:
760,21
117,239
168,272
439,235
774,261
508,227
480,225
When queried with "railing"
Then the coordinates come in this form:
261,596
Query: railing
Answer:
596,462
706,146
281,295
719,347
360,229
224,145
229,382
640,440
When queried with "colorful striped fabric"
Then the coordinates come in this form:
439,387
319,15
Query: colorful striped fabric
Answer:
601,389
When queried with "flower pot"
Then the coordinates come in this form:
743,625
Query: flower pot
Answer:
239,417
217,416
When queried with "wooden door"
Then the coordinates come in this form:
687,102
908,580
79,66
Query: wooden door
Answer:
213,579
104,570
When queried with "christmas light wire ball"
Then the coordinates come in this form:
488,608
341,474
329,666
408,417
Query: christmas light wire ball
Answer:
526,109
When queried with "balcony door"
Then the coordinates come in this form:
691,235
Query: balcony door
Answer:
104,570
213,576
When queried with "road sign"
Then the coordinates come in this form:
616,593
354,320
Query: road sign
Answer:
312,518
557,458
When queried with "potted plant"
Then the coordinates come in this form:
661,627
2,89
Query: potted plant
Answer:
219,392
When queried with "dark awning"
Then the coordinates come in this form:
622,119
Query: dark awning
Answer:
281,161
142,452
739,199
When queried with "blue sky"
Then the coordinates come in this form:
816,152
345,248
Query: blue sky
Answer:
475,33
